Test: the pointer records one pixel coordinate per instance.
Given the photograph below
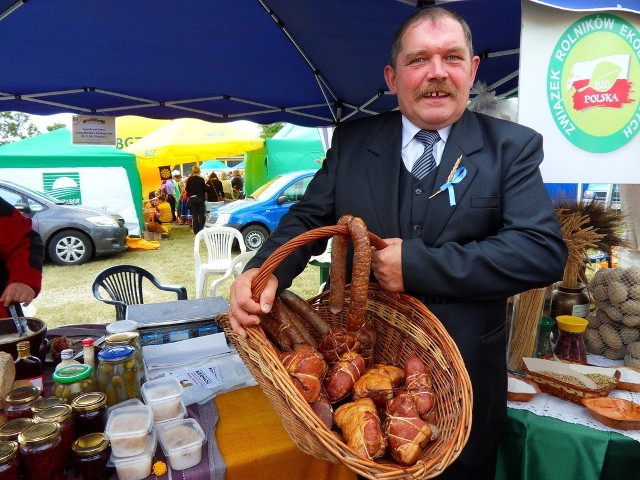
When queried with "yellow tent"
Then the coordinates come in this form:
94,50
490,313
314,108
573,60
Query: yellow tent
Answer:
188,140
130,129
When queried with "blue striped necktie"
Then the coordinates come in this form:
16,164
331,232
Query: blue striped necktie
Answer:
426,163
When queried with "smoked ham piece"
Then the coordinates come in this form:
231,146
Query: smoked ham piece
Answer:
342,375
360,425
418,384
378,383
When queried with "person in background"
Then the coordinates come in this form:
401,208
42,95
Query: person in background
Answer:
196,191
178,190
169,191
462,254
164,210
237,185
215,192
21,258
226,186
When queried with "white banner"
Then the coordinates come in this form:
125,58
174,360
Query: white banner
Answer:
580,87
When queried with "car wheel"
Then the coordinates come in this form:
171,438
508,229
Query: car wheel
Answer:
254,236
70,248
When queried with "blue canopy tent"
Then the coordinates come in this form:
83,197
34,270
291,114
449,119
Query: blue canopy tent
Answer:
306,62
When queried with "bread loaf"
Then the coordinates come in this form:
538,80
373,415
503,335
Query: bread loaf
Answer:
7,375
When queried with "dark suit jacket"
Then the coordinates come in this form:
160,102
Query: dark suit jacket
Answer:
501,238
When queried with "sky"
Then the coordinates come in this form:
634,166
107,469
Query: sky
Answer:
43,121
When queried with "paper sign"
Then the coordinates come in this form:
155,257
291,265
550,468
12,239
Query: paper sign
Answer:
93,130
540,365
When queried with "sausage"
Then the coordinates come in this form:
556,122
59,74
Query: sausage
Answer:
276,332
282,317
359,275
302,308
338,274
293,320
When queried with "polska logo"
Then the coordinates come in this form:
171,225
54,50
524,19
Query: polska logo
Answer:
590,83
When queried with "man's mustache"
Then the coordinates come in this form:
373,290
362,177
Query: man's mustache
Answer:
433,87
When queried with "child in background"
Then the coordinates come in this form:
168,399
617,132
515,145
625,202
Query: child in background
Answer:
164,210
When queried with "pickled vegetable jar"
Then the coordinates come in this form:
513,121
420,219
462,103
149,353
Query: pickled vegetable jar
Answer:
61,414
117,374
131,338
9,463
570,344
41,453
89,413
73,380
18,402
92,453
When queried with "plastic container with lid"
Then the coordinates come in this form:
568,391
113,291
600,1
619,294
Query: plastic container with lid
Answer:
138,466
117,374
128,428
89,413
131,338
570,344
120,326
40,452
181,442
61,414
46,402
18,402
544,345
91,453
164,396
9,431
73,380
9,461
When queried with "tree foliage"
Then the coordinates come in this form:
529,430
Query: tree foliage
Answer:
269,130
16,126
55,126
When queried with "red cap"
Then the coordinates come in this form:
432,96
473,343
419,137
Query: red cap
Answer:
88,342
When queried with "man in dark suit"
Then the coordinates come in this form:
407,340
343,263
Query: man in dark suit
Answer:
463,253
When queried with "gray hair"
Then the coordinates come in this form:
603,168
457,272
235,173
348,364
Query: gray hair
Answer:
433,14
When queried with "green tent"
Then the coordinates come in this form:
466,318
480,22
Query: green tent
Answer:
96,176
292,148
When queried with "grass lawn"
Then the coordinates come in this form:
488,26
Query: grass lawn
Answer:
66,297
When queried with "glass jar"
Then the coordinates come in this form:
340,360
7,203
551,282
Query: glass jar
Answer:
569,301
570,344
9,431
89,413
131,338
117,374
46,402
40,452
63,415
544,345
91,454
73,380
9,462
18,402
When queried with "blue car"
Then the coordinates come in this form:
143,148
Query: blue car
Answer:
257,216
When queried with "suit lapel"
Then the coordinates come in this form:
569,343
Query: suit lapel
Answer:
383,170
464,140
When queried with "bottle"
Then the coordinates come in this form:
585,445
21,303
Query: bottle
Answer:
28,367
66,358
88,353
544,346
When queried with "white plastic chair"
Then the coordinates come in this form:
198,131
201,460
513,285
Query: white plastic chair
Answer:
218,242
235,268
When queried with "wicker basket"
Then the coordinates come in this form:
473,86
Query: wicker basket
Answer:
404,327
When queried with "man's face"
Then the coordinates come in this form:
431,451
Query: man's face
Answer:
434,73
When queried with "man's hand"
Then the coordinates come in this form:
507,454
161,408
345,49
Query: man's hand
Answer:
244,310
17,292
387,265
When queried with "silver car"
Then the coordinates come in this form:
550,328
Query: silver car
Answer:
71,234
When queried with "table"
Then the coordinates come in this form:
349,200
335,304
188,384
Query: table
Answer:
534,447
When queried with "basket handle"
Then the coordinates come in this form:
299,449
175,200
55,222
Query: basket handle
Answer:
259,282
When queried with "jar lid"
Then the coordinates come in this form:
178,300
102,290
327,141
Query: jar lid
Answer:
57,413
72,373
88,342
21,395
39,433
90,444
46,402
8,450
119,352
11,429
88,402
546,324
67,354
121,338
571,323
122,326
